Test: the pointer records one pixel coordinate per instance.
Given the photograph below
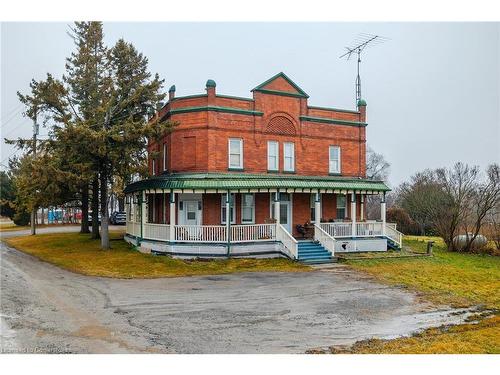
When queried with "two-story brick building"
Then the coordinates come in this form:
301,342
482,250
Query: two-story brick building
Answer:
283,170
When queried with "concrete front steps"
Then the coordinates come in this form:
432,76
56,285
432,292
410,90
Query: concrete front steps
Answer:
313,253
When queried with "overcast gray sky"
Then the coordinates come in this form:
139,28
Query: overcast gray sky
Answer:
432,91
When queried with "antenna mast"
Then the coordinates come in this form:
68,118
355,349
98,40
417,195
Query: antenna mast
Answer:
360,43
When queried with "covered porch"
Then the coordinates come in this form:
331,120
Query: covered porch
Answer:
183,209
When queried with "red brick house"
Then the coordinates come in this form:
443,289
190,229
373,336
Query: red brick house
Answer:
285,170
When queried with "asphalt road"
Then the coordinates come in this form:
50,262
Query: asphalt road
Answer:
48,310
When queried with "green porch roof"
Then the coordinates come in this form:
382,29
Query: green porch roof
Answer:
242,181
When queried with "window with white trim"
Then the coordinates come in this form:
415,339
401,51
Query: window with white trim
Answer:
153,166
288,157
235,153
164,156
223,209
341,204
272,156
313,206
334,158
247,208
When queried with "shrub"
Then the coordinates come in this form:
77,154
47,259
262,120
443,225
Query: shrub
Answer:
22,218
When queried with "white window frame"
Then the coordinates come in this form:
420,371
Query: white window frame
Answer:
276,156
252,221
232,208
164,157
337,206
153,167
285,144
330,160
240,141
313,206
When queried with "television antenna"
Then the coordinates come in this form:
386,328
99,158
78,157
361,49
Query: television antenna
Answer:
359,44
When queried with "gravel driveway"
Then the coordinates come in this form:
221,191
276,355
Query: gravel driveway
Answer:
48,310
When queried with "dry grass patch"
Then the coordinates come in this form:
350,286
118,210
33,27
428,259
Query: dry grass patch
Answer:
456,279
78,253
446,278
471,338
10,227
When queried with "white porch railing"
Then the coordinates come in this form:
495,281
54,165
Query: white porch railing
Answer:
253,232
287,240
369,229
159,232
327,241
337,229
133,228
394,235
200,233
364,229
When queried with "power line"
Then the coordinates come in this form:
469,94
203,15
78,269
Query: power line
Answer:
16,109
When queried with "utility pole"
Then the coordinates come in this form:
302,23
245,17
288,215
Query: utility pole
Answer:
33,212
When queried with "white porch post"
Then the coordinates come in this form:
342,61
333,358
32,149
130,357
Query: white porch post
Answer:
353,213
382,212
171,228
228,222
277,207
317,209
362,208
143,212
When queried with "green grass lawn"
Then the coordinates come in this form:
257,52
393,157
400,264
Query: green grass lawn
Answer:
78,253
456,279
450,278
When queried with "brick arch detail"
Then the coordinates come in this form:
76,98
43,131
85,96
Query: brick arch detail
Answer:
281,123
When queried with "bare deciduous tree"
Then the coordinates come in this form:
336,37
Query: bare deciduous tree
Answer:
377,168
485,199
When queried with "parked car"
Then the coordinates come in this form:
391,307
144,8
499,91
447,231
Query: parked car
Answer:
118,218
98,218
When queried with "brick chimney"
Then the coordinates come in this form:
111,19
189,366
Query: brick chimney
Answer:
210,87
171,93
362,110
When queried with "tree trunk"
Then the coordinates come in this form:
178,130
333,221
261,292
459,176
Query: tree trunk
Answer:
33,221
84,226
104,212
43,216
95,208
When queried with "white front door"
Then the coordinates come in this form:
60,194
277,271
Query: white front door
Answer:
285,210
191,214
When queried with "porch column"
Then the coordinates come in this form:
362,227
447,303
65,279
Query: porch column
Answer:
143,212
353,213
277,207
228,221
362,208
317,209
171,228
382,212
